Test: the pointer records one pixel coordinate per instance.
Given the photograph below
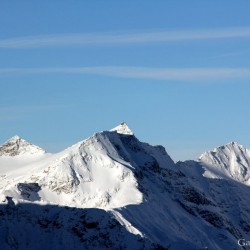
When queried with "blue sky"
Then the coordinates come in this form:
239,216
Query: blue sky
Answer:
177,72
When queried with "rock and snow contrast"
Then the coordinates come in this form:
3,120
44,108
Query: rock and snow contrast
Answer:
122,129
112,191
17,146
231,160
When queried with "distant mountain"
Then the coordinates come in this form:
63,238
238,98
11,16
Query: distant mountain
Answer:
231,160
112,191
17,146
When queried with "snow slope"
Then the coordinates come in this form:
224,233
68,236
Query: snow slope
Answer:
17,146
30,226
144,199
231,160
88,174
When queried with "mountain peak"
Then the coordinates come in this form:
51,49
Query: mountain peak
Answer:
234,144
122,128
18,146
228,148
232,159
15,138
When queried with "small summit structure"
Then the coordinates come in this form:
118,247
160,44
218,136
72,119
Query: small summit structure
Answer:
122,128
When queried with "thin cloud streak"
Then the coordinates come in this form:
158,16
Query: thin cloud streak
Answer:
85,39
178,74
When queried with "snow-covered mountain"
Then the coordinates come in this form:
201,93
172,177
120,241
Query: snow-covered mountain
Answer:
112,191
17,146
231,160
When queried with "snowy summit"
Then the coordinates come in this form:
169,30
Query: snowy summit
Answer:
112,191
231,160
123,128
18,146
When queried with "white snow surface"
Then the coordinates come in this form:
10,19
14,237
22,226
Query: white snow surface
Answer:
123,129
229,161
186,205
16,146
88,174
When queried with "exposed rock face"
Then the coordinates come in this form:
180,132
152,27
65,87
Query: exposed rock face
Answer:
232,160
30,226
145,200
17,146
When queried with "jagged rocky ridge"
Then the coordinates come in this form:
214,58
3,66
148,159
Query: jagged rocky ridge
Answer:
153,202
231,160
17,146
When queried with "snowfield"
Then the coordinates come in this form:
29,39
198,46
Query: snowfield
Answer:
112,191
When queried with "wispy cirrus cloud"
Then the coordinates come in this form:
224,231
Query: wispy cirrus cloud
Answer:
178,74
84,39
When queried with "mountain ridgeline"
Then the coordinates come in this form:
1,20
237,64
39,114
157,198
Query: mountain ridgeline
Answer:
112,191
